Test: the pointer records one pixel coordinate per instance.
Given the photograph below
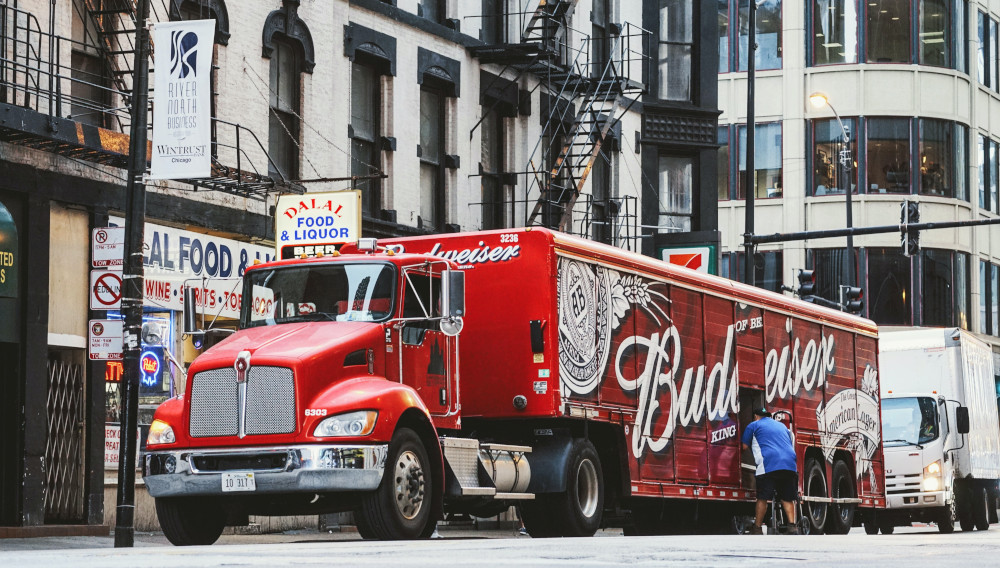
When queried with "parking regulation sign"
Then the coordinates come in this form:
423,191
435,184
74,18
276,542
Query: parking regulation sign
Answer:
107,247
106,340
105,289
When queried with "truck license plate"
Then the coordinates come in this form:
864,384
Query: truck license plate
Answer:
238,481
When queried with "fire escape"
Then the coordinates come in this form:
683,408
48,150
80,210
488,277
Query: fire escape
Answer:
72,96
590,83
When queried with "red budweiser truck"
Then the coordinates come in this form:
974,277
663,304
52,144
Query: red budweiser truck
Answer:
588,385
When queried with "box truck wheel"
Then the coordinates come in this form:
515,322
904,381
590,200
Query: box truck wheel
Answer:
401,506
980,508
946,518
578,510
841,517
963,506
188,521
814,485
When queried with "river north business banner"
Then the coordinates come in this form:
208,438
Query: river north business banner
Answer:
182,110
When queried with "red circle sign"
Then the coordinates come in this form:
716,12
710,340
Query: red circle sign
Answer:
108,289
101,236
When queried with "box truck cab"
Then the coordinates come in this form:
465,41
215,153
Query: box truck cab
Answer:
940,430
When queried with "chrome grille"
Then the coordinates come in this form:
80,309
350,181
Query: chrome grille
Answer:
215,402
270,401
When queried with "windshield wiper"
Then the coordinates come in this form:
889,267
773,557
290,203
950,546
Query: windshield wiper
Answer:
311,317
907,442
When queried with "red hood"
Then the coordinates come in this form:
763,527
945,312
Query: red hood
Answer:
291,344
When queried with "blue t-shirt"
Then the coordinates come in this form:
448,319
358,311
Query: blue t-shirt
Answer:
772,445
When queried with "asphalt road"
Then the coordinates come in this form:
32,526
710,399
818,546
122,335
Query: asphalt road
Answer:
908,547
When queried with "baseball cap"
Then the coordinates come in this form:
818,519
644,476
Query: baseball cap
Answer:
761,412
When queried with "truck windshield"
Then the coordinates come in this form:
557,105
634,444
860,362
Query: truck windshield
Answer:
318,292
909,421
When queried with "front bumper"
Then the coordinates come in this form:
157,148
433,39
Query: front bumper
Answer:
917,500
288,469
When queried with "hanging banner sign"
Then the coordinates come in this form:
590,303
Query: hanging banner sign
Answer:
182,115
107,247
8,254
106,340
315,223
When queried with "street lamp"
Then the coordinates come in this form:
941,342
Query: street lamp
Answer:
820,100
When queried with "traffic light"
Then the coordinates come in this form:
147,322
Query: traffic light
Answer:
854,300
909,239
807,283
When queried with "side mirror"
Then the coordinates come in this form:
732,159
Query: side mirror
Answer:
190,311
453,294
151,334
962,419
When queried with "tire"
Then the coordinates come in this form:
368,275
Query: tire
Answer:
980,509
993,505
814,485
946,519
841,517
190,521
887,526
578,510
400,509
963,506
871,527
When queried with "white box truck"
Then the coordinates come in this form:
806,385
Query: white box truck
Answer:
940,430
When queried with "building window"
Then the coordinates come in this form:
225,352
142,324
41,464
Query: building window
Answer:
828,142
992,165
831,271
724,192
888,36
981,145
994,299
937,157
889,155
767,269
366,104
944,293
675,48
676,191
432,152
492,160
284,124
984,297
835,32
724,36
603,208
982,52
768,35
960,18
433,10
600,38
989,299
492,26
889,287
993,69
90,89
767,160
935,33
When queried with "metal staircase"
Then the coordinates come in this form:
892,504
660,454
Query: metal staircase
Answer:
587,99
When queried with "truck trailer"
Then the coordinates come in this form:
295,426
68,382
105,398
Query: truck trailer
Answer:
940,430
464,373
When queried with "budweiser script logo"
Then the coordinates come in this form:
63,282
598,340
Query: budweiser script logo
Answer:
787,373
468,257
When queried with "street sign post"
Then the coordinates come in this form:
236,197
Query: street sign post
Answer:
106,340
105,289
107,247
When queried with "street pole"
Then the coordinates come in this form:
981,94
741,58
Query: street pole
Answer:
844,159
748,276
132,291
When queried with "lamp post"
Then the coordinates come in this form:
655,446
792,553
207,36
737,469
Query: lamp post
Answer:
819,100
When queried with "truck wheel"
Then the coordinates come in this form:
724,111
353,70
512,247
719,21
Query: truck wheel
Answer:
980,509
578,510
946,519
400,509
886,526
871,527
841,517
815,486
537,520
993,505
963,506
190,521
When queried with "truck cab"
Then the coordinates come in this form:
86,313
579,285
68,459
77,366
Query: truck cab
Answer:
915,434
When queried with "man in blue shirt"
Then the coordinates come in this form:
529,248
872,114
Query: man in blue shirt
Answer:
774,451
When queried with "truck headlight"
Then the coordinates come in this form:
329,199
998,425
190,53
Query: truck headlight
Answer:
160,433
932,483
934,468
360,423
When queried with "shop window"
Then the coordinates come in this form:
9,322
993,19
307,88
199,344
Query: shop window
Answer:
492,160
835,31
768,35
676,191
888,33
767,160
888,290
675,49
828,142
285,109
366,154
723,140
432,154
888,155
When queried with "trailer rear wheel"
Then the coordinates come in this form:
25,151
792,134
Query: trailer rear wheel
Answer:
190,521
578,510
841,518
946,519
400,509
980,508
814,485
